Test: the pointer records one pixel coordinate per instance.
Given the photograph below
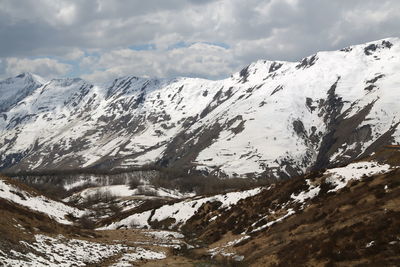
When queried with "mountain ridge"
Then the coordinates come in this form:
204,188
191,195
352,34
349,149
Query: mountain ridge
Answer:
325,106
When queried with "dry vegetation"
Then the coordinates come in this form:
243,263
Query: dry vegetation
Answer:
203,185
355,226
335,230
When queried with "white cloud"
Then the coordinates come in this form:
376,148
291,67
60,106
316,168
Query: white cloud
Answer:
45,67
54,12
253,29
66,14
74,54
199,60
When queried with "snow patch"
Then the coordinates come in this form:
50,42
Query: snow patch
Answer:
339,177
182,211
60,251
54,209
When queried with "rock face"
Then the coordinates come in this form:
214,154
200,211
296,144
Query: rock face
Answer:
272,118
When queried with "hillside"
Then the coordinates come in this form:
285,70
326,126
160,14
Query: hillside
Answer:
38,231
336,217
271,119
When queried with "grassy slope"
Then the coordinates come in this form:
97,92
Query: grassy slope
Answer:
335,229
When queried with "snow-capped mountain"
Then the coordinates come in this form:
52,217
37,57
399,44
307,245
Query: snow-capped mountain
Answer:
13,90
273,118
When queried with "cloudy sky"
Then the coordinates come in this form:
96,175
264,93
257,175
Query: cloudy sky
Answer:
101,39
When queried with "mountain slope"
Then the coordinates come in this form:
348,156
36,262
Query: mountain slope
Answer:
13,90
276,119
21,195
34,232
310,222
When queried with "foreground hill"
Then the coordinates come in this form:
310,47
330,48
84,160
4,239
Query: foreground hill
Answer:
275,119
344,216
38,231
310,222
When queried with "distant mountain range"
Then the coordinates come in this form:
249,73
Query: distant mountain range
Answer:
273,118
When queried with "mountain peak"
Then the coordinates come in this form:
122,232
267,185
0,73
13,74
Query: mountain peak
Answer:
29,77
13,90
24,75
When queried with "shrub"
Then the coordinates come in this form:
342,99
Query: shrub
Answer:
146,191
86,223
134,183
53,191
100,196
174,179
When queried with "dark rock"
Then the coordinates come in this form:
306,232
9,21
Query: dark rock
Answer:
277,89
274,66
307,62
